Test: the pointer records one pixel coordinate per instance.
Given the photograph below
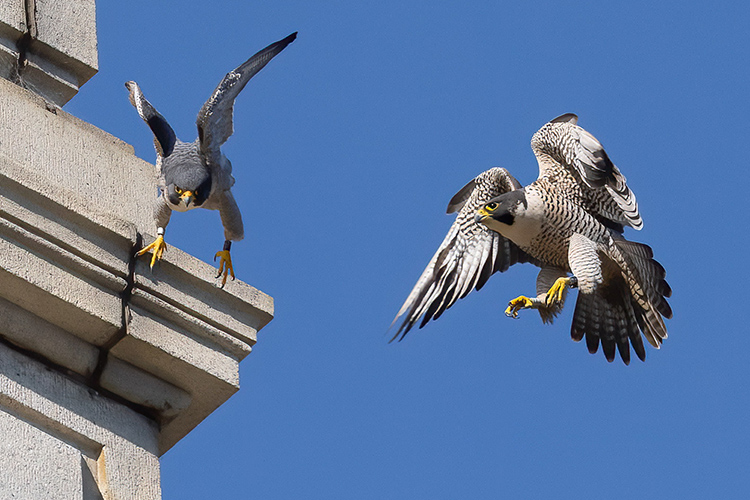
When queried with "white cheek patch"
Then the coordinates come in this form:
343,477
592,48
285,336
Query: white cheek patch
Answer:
527,223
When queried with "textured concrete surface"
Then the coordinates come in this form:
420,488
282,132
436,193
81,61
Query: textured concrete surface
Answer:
50,140
40,456
69,28
56,41
28,331
41,286
187,361
190,285
168,341
65,219
12,14
63,425
143,388
12,27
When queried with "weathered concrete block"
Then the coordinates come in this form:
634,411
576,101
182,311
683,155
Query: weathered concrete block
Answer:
100,239
96,161
48,46
13,15
69,28
186,359
189,285
40,456
174,348
117,445
40,285
12,27
31,332
143,388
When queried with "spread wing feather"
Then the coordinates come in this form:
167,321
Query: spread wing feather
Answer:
562,145
164,136
215,124
468,256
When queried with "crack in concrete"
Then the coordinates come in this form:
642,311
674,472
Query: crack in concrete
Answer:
26,39
125,296
93,381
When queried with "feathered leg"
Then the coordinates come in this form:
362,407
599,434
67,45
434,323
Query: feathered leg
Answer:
551,288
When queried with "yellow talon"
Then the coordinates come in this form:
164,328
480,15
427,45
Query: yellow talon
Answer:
517,304
157,247
557,291
225,266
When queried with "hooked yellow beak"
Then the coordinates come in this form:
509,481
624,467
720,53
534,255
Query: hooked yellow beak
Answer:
187,197
481,215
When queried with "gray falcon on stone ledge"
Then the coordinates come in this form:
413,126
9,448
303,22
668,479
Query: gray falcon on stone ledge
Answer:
569,221
197,174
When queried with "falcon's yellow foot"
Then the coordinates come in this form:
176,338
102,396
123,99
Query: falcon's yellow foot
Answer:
556,293
157,247
517,304
225,264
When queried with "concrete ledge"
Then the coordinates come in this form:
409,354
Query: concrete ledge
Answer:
167,343
187,361
30,332
12,28
189,285
142,388
49,46
55,263
58,216
101,162
57,295
69,28
12,16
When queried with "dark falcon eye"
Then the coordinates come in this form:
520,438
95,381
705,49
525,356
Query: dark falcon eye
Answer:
491,206
177,190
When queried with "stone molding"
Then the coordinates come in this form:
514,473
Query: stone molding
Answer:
48,46
101,358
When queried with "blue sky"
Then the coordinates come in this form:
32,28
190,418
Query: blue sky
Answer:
347,148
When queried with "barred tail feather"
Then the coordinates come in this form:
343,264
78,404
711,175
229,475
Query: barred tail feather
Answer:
606,316
631,300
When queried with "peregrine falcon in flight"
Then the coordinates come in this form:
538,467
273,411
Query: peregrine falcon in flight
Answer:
197,174
570,223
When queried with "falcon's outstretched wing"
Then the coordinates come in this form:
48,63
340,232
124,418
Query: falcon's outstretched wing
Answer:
164,137
468,256
215,117
563,144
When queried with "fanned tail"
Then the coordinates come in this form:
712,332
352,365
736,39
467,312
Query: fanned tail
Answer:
633,299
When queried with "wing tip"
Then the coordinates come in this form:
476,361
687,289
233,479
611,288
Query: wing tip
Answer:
133,88
566,118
